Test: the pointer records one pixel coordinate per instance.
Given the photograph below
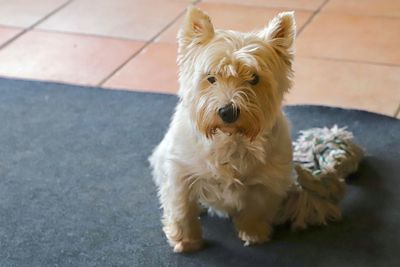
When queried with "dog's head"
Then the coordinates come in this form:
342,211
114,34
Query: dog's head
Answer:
231,81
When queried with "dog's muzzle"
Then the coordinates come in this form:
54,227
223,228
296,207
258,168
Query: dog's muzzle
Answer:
229,113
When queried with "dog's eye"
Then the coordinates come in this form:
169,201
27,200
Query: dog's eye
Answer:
211,79
255,80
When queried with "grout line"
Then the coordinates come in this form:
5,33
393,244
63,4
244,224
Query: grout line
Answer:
350,60
361,15
12,39
279,8
35,24
283,7
397,112
95,35
316,12
13,27
103,81
112,73
51,14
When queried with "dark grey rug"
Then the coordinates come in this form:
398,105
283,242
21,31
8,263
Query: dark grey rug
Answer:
75,188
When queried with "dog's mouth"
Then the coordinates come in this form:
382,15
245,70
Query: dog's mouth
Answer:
234,129
228,130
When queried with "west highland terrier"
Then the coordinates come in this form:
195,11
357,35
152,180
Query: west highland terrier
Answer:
228,147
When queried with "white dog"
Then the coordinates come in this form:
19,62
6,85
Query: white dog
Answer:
228,147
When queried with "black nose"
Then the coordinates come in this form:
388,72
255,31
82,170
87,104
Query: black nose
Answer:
229,113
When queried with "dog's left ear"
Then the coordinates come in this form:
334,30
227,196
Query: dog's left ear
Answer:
281,31
196,28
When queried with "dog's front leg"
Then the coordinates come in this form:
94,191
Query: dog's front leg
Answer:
254,221
181,218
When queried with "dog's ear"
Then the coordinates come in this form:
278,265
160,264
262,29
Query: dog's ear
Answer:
197,28
281,31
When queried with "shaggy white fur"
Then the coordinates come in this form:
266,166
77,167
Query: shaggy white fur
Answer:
240,168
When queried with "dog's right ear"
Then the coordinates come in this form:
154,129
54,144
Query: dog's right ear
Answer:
197,28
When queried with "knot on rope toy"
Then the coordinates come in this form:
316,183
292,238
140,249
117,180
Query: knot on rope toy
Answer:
323,158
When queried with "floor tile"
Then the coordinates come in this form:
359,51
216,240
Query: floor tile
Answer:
154,69
25,13
64,57
235,17
390,8
7,33
298,4
132,19
360,38
349,85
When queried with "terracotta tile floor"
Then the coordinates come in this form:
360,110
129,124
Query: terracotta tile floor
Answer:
347,50
7,33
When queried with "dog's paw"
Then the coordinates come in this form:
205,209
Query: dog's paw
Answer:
188,246
253,238
252,232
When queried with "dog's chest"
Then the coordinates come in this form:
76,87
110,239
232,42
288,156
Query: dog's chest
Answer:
232,157
227,163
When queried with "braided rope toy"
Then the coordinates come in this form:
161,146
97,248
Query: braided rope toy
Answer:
323,159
